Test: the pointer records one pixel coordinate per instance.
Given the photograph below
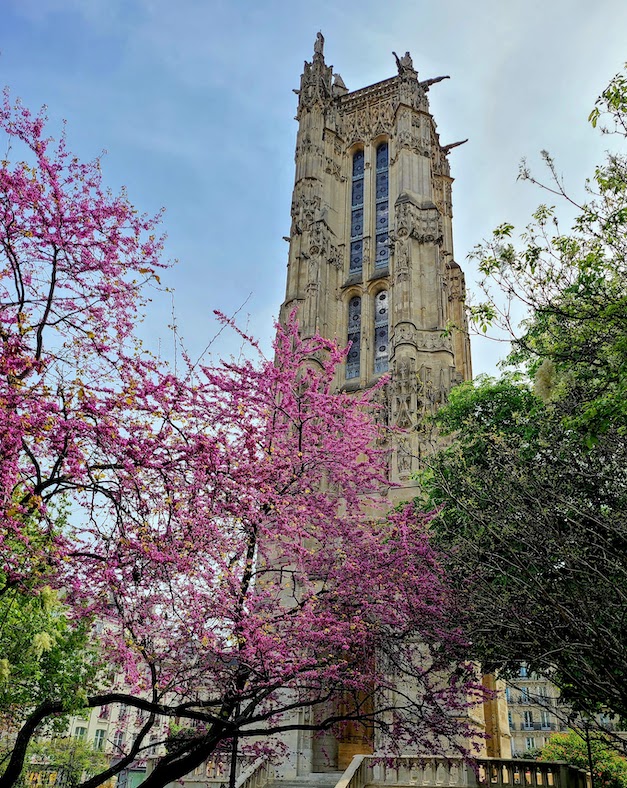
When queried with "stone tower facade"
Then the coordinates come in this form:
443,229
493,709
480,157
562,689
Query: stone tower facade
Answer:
371,263
371,246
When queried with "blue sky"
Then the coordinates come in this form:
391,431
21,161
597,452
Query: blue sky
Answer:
193,102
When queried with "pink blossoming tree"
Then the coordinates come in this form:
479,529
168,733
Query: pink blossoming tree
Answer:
228,523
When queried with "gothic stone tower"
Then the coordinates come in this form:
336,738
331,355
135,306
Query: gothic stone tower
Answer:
371,248
371,262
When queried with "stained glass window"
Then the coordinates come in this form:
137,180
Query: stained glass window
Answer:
381,340
354,337
357,214
382,251
358,163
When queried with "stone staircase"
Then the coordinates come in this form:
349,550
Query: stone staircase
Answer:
312,780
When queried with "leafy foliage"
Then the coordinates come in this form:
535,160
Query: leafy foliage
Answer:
69,759
43,655
532,491
573,287
535,532
609,768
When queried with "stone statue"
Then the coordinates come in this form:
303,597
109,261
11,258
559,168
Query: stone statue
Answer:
319,44
404,63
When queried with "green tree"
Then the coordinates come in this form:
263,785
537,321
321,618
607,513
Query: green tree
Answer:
534,529
532,490
71,759
585,750
573,286
44,655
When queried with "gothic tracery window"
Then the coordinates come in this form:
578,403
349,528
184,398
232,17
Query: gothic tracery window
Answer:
357,214
381,341
353,359
382,249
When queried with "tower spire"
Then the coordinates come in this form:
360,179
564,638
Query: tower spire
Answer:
315,81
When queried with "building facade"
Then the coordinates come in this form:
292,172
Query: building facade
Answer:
112,730
533,712
371,245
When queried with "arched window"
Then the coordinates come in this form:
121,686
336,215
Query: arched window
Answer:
354,337
382,208
357,214
381,342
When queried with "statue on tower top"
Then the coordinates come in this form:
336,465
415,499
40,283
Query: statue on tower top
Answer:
405,64
319,44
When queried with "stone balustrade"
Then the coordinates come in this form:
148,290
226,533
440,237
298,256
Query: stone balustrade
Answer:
439,772
255,776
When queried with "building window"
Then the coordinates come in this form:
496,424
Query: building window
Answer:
354,337
80,732
530,743
104,712
357,214
123,713
522,671
545,720
528,720
524,695
118,741
381,341
99,739
382,208
510,720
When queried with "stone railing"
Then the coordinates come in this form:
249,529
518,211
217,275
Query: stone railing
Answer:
440,772
256,776
215,772
505,773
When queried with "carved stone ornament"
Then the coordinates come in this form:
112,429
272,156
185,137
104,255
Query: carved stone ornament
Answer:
410,92
404,458
315,85
426,394
339,87
402,260
333,168
423,224
456,285
306,205
404,334
368,121
406,140
381,400
305,145
403,390
320,245
441,164
434,387
433,341
365,257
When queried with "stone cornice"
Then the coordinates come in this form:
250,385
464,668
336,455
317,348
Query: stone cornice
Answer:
387,88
